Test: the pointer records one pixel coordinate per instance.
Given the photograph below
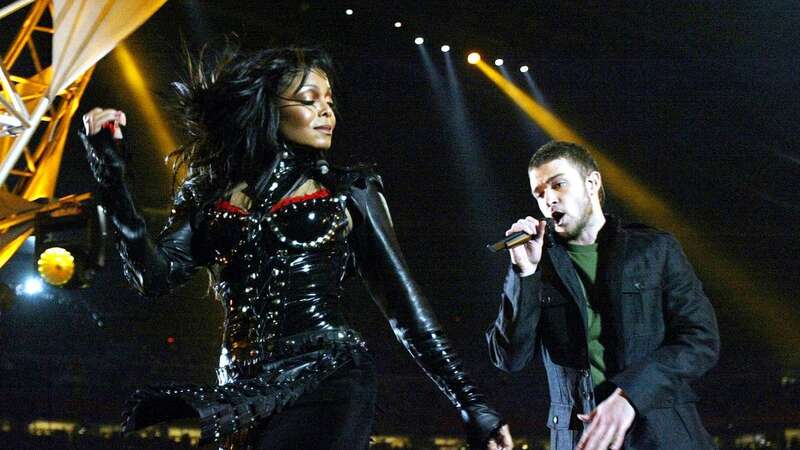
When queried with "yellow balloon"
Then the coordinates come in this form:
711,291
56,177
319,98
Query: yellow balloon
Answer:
56,266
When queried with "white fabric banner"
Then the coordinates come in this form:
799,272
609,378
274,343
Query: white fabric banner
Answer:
86,30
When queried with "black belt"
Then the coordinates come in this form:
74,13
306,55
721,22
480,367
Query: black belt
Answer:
287,347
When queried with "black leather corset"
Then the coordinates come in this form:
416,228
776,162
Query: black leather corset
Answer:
278,277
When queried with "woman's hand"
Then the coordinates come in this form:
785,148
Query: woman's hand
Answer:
501,440
97,118
104,154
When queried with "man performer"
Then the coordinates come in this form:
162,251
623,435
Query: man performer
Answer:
620,318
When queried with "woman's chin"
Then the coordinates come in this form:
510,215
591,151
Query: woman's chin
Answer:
322,146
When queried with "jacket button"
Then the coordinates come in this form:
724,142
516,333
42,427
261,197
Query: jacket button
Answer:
637,285
546,299
555,419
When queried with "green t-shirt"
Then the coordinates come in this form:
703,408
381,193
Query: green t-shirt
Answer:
585,259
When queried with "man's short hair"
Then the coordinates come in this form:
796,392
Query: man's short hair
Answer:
570,151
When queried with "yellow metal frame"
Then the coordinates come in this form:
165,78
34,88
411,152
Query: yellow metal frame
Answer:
35,172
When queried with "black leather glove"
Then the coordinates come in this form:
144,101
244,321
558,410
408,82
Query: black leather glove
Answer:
104,154
390,283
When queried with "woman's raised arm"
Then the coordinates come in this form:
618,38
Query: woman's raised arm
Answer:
152,267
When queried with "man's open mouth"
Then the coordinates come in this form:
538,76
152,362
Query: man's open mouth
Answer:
557,216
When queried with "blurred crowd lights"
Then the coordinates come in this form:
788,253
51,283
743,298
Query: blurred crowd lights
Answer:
419,40
349,12
445,48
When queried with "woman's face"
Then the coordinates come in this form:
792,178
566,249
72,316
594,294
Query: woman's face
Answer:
306,107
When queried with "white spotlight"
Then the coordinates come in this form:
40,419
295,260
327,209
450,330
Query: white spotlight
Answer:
498,62
349,12
32,286
445,48
523,69
419,41
398,24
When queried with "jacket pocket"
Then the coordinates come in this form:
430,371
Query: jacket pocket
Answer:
558,420
694,426
551,297
642,304
559,416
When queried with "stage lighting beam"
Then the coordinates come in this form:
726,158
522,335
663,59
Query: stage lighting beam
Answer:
134,76
474,58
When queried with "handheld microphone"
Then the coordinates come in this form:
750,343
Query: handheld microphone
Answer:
515,239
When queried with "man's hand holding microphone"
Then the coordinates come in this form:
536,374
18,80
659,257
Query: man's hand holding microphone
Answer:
526,256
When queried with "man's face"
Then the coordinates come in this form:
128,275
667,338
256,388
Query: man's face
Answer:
562,195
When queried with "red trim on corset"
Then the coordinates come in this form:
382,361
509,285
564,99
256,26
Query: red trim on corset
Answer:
226,206
322,193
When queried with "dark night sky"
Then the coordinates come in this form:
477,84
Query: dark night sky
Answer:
697,99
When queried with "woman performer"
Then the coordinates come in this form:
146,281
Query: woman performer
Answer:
279,230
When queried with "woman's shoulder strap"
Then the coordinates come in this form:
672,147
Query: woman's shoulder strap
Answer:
356,177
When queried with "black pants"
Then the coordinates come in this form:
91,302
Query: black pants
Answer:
338,414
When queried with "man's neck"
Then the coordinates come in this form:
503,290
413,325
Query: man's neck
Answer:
591,230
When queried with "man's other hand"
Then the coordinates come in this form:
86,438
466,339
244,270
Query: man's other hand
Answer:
608,423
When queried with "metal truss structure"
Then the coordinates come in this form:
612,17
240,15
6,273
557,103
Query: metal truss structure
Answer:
33,127
43,75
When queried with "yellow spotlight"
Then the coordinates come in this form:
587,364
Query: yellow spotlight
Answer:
473,58
56,266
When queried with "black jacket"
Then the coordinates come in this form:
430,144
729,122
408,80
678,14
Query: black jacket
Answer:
660,333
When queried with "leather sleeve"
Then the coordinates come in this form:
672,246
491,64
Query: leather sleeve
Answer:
512,336
386,274
691,345
153,268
